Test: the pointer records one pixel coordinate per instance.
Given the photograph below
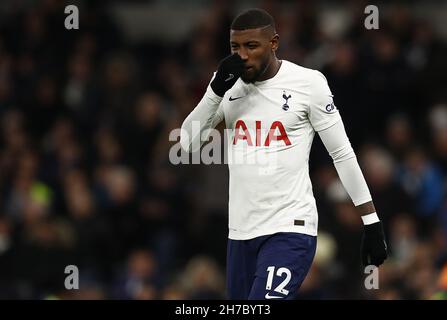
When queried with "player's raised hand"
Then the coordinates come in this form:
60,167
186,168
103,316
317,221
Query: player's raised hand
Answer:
229,70
374,248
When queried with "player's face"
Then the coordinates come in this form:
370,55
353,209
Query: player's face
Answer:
256,47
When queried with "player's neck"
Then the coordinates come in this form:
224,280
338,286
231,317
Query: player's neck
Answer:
272,69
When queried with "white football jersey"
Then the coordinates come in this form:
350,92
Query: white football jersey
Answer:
272,125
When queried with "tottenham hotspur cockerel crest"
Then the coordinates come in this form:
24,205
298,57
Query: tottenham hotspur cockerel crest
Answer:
286,97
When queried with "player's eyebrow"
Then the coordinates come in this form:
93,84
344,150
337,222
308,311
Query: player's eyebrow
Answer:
246,42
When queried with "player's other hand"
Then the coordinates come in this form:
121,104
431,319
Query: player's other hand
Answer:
374,248
229,70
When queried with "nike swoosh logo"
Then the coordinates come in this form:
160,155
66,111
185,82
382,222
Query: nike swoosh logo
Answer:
230,76
232,99
268,296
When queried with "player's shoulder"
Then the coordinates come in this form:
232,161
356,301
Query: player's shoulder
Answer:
308,75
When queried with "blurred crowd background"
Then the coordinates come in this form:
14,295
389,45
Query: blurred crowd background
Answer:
85,177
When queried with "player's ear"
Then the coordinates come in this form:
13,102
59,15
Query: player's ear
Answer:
275,42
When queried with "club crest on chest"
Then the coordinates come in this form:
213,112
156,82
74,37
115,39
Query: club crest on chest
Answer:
286,97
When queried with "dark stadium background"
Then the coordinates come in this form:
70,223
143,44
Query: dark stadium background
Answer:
85,115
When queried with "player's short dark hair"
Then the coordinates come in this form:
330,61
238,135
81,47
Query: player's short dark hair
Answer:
252,19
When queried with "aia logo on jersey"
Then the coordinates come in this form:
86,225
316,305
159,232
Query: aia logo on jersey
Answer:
242,133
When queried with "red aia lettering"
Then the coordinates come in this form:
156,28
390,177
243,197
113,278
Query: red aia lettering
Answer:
282,134
245,134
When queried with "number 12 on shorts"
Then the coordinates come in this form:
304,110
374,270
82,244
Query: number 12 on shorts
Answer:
279,273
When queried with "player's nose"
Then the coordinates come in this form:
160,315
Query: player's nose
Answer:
243,54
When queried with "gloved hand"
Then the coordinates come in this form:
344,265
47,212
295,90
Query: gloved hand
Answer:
229,70
374,248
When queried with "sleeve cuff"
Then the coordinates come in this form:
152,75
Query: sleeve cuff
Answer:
212,96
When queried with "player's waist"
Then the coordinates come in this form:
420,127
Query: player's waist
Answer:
236,234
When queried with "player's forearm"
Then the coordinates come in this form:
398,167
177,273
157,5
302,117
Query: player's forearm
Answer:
202,118
338,145
353,180
345,162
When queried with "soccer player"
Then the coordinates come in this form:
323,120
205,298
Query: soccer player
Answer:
273,109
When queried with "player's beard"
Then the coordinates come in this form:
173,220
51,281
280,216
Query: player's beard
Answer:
254,74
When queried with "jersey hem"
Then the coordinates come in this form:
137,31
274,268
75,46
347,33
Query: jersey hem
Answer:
238,235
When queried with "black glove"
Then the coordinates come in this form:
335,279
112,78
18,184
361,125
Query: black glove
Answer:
229,70
374,248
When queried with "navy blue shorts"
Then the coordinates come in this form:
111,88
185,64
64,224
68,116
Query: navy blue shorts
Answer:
269,267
